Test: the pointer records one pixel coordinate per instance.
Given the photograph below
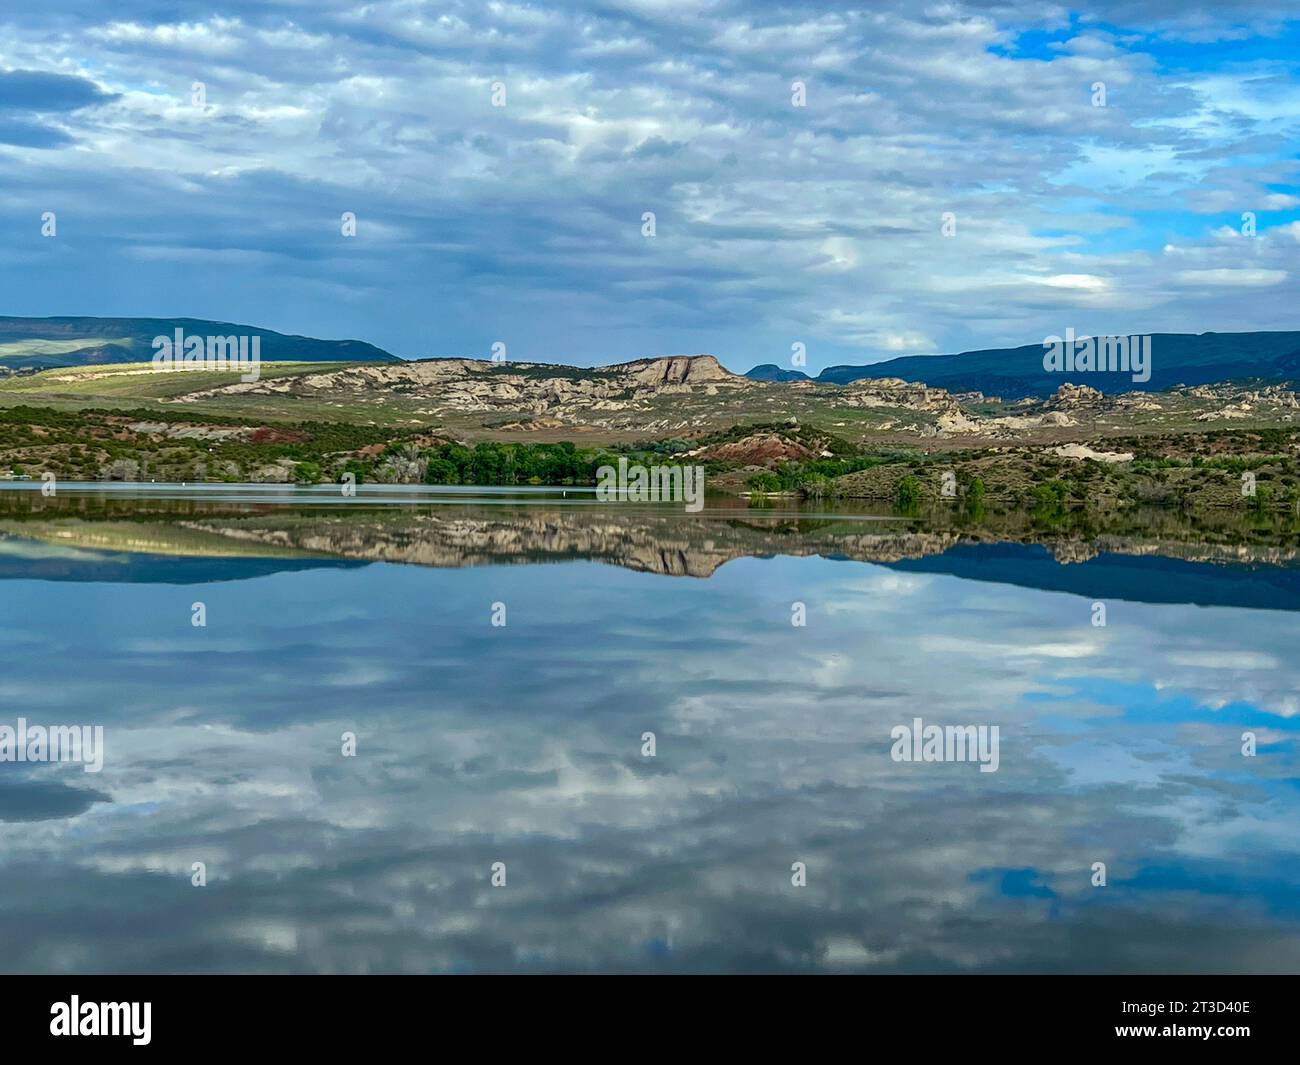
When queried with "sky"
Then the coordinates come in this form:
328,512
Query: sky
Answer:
1129,168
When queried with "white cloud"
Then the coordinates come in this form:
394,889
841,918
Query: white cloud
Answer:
1233,277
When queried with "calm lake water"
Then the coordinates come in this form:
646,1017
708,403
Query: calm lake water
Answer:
522,744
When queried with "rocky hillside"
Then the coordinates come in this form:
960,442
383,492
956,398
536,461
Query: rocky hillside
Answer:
679,399
635,395
688,395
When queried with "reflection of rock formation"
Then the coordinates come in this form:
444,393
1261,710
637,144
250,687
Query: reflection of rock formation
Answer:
1255,554
651,539
1067,551
670,544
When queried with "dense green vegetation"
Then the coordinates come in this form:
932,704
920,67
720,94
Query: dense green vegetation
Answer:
907,496
1253,471
815,477
488,463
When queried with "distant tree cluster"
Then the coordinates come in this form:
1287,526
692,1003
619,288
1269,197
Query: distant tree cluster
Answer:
490,463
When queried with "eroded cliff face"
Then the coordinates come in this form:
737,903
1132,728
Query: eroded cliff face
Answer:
675,370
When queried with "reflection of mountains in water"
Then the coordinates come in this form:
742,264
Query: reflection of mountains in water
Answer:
131,568
200,547
146,552
1139,578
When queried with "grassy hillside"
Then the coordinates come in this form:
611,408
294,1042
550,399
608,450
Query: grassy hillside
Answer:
138,386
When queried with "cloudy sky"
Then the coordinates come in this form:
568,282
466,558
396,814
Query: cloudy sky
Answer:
774,223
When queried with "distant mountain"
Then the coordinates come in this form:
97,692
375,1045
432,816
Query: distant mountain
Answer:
770,371
1014,373
42,343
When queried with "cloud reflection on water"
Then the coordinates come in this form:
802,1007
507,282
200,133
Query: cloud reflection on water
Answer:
521,744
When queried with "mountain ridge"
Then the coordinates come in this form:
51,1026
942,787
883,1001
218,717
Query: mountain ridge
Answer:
81,340
1189,359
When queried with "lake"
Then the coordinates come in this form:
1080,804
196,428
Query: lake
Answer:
498,659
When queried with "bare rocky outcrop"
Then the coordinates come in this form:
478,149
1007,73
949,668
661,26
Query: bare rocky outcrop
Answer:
279,472
675,370
895,392
1073,397
1082,451
122,470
